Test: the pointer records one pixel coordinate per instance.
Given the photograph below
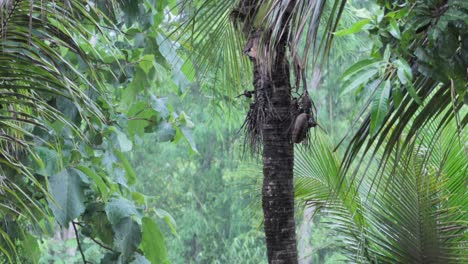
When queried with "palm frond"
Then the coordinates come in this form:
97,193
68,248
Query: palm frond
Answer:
222,32
431,93
318,177
219,30
40,88
207,31
418,214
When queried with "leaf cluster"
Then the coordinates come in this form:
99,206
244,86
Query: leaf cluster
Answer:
416,210
78,91
416,72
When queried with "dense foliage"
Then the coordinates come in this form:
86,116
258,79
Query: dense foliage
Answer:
414,212
78,93
121,139
416,71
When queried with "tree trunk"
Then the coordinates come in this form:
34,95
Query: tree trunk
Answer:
270,119
278,161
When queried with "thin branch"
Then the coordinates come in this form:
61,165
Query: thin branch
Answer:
79,243
99,243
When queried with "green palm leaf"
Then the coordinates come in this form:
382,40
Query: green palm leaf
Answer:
216,32
417,214
39,87
426,83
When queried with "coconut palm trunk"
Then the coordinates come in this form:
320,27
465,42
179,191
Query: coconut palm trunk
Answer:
278,161
274,31
272,115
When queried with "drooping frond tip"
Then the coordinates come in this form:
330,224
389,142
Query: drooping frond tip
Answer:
429,90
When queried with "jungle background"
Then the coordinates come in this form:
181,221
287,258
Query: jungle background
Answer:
120,145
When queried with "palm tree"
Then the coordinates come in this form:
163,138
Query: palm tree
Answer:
272,32
415,213
34,75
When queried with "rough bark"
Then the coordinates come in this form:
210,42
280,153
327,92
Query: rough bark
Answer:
270,120
278,161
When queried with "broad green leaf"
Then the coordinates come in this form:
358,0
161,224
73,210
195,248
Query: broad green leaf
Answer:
380,108
142,116
358,66
119,176
139,40
101,185
153,244
187,134
356,27
405,75
68,108
160,5
397,14
66,188
136,109
387,53
188,70
108,160
158,17
178,135
138,128
31,248
127,238
138,84
75,156
168,219
119,208
160,105
179,78
147,62
394,29
121,141
358,79
412,91
49,162
397,95
99,225
165,131
129,172
135,54
167,49
139,198
379,15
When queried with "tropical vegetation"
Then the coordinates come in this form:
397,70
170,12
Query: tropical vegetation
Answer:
233,131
